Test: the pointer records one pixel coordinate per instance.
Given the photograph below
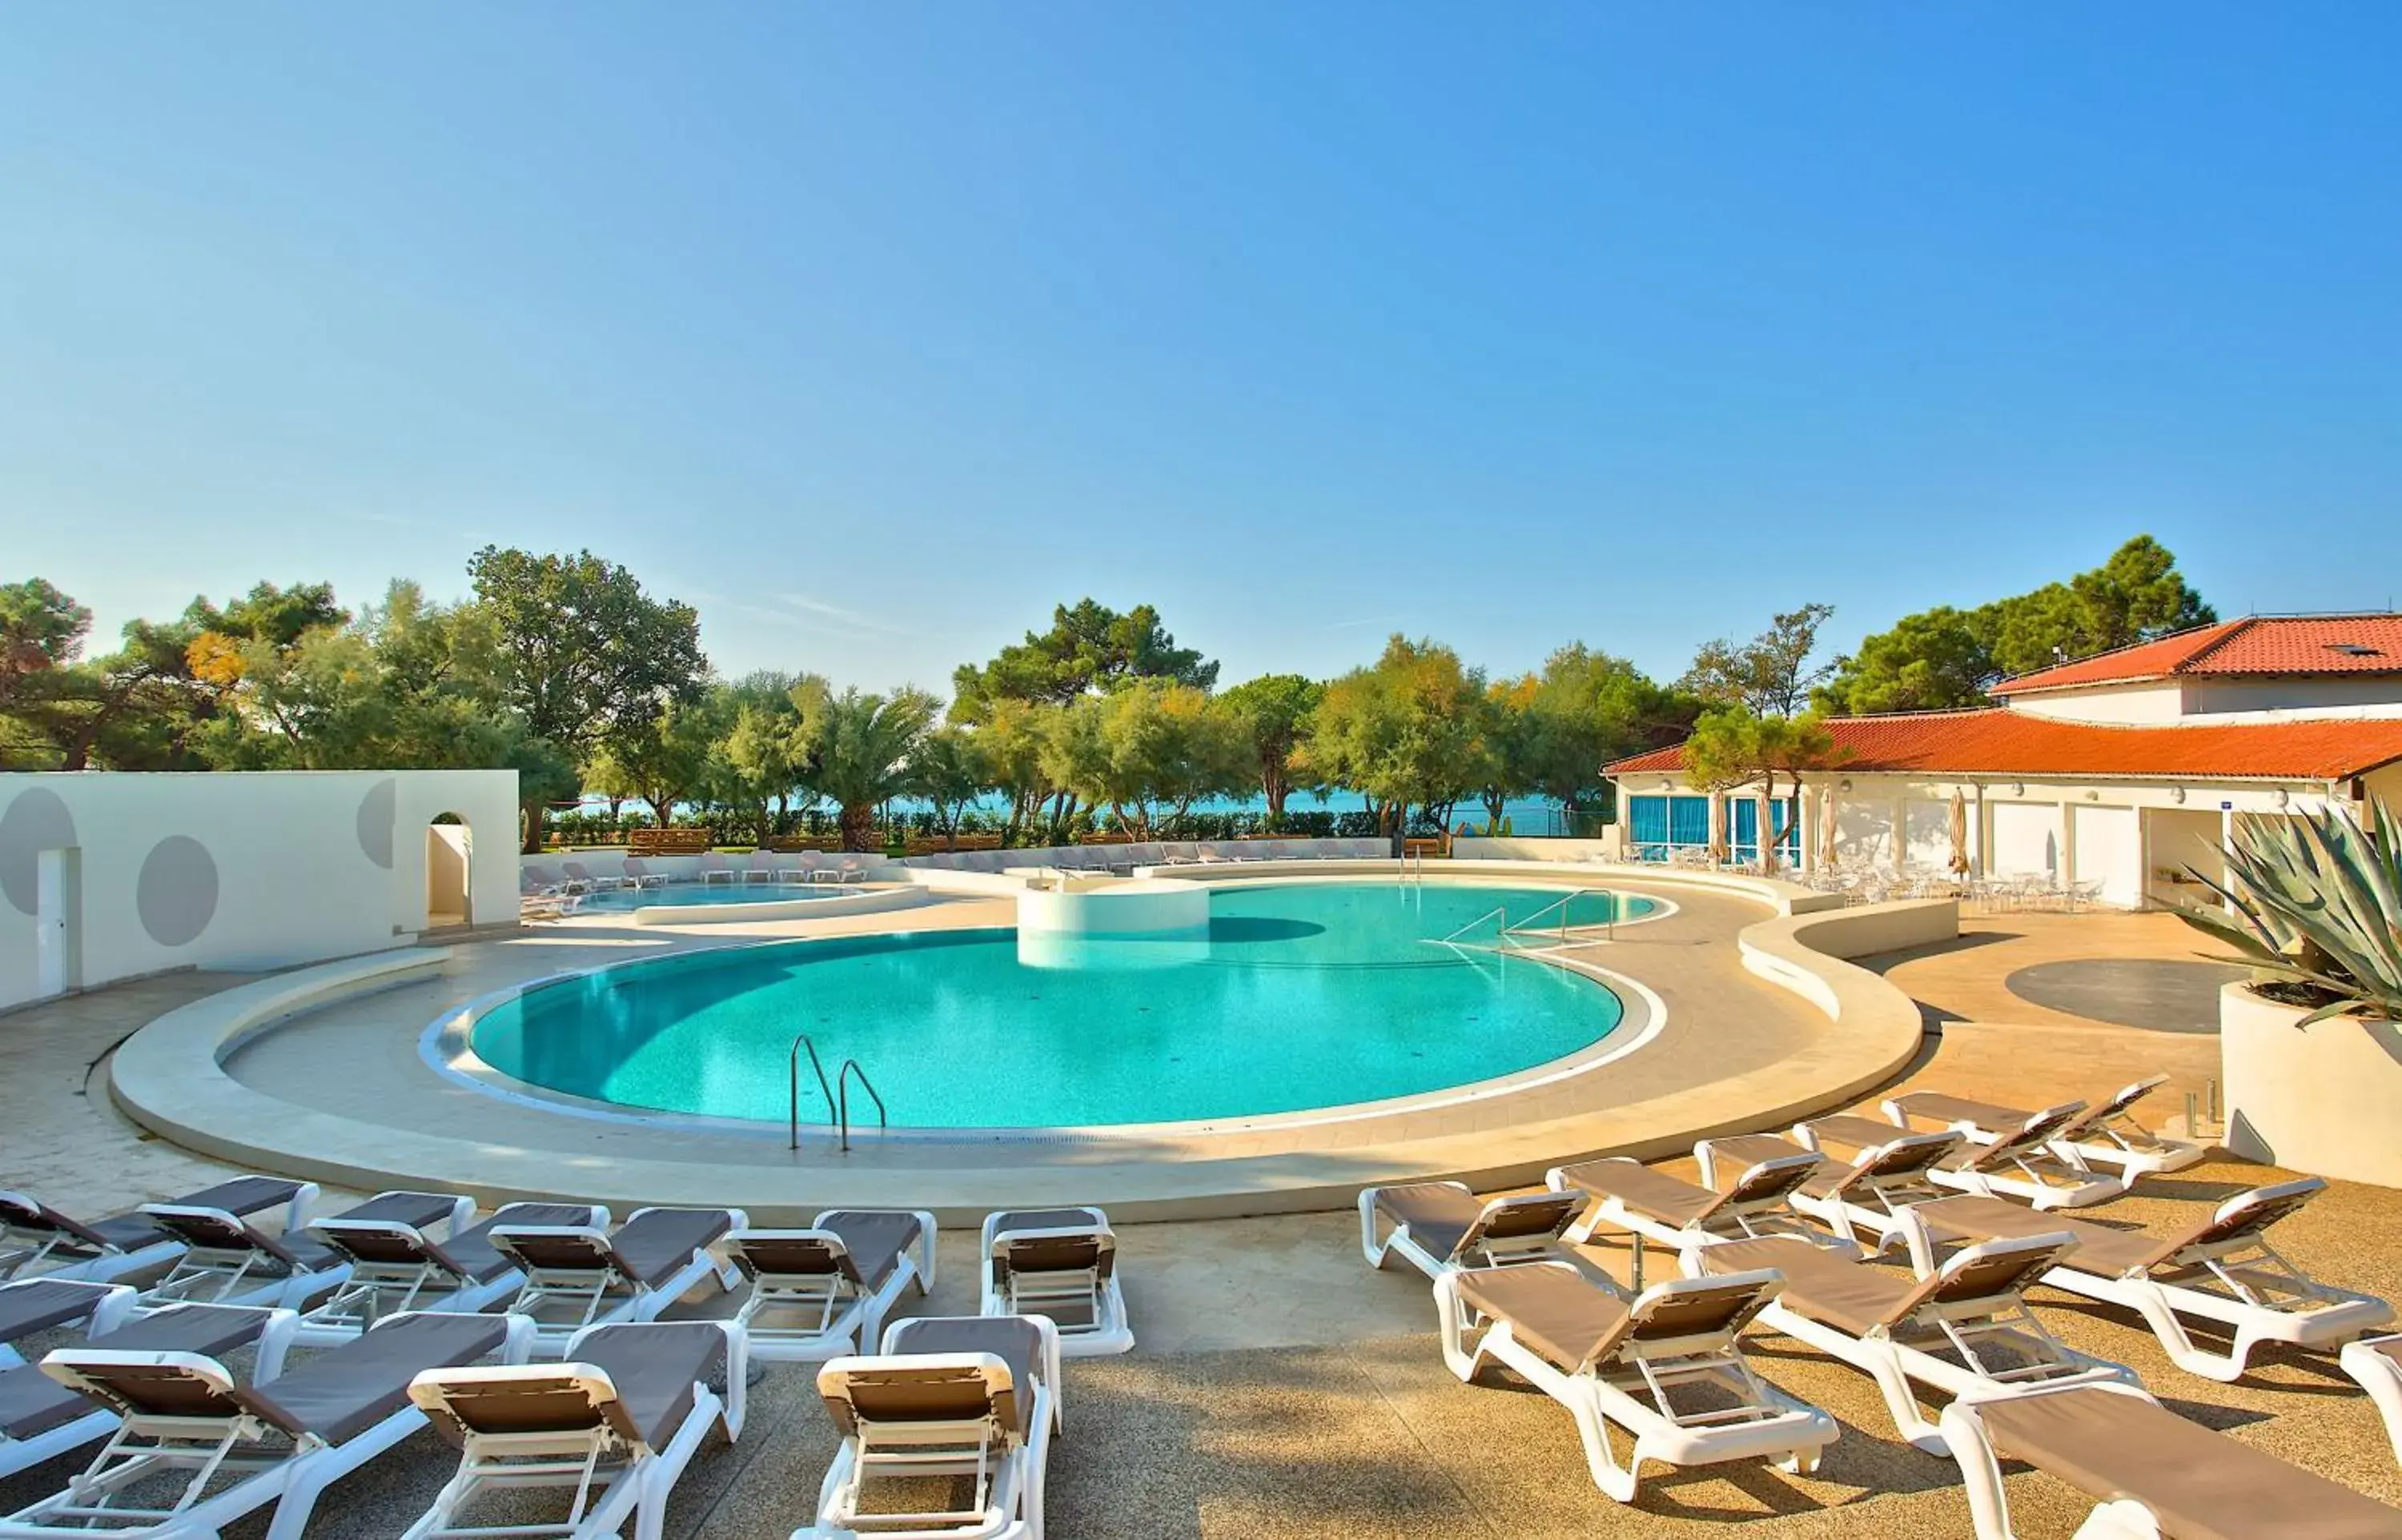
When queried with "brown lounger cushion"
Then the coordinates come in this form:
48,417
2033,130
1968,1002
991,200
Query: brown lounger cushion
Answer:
874,1239
1014,1340
341,1393
243,1196
1852,1297
416,1210
655,1366
2201,1485
1735,1155
1957,1109
42,1303
1439,1215
32,1403
119,1231
2100,1249
654,1244
1089,1245
472,1249
1846,1128
1561,1315
1048,1218
1653,1194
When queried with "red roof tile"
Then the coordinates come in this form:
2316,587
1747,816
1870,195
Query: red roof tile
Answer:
2002,742
2257,645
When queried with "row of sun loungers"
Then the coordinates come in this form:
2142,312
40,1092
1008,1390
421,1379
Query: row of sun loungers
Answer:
1127,858
1770,1236
423,1316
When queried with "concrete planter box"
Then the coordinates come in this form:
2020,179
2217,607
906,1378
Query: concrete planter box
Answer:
2326,1099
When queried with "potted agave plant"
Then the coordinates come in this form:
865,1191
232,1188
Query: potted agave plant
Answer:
2311,1044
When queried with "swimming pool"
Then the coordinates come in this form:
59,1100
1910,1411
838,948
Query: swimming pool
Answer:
624,900
1300,997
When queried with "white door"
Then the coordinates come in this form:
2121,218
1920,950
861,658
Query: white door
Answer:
2026,839
2110,851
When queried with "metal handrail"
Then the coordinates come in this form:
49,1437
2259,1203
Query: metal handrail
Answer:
842,1081
1504,912
800,1041
1562,906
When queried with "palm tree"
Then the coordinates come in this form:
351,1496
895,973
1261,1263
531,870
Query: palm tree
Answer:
856,748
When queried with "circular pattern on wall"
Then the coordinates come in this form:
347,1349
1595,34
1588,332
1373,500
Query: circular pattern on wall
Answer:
376,811
176,895
36,821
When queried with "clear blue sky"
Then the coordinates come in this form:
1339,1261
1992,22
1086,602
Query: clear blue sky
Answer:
874,329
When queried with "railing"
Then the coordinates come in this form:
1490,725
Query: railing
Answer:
842,1081
1502,914
799,1042
1414,866
1528,925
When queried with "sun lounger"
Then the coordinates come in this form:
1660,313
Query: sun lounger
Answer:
228,1259
1631,1196
2376,1362
39,1241
712,867
616,1425
1666,1368
1964,1329
1438,1227
641,875
2105,1135
2010,1154
538,878
2220,1268
282,1441
396,1265
593,882
2150,1472
38,1305
579,1275
974,1396
801,868
1889,1171
825,1291
41,1419
1060,1263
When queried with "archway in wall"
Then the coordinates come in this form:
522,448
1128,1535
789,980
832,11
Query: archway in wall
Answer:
449,869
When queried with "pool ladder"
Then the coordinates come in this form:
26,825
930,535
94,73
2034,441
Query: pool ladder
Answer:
837,1092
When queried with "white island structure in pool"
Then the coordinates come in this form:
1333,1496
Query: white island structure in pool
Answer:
2106,777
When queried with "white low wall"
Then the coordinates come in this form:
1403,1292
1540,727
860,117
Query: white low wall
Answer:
151,873
1119,909
2321,1098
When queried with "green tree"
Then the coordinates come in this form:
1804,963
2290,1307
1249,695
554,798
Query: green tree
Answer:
1937,660
951,771
1770,674
1013,744
1089,648
756,767
669,759
1731,748
589,653
1406,733
1273,712
858,748
1152,749
1585,709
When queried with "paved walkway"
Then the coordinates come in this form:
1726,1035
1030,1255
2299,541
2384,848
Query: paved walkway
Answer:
1283,1391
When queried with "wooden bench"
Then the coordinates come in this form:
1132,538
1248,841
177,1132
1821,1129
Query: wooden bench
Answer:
1440,845
667,842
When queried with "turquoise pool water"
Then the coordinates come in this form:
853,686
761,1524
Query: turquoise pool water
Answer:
1300,997
626,900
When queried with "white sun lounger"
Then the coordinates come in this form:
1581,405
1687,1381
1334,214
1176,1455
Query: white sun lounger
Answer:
594,882
283,1441
2151,1473
38,1305
800,868
397,1265
39,1241
228,1260
581,1275
2376,1362
713,866
1440,1227
616,1424
2011,1154
1888,1172
1666,1368
41,1419
825,1291
2220,1268
1755,1202
1060,1263
643,876
1964,1329
2105,1135
959,1396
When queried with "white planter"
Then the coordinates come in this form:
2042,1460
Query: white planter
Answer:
2325,1098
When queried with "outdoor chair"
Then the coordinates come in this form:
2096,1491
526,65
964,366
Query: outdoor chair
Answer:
1060,1263
823,1291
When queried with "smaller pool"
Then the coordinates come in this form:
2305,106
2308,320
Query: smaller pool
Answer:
623,900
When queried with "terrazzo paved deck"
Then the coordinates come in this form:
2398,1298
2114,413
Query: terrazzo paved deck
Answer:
1283,1391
